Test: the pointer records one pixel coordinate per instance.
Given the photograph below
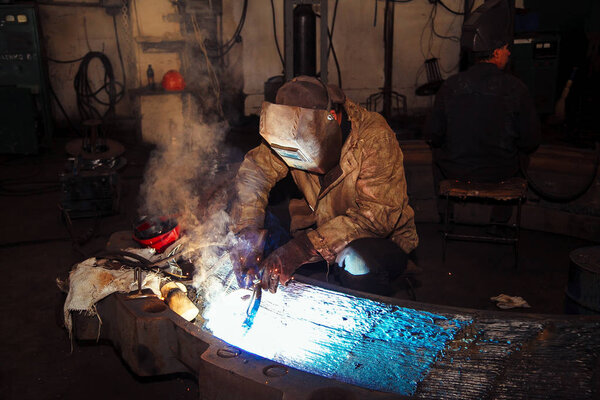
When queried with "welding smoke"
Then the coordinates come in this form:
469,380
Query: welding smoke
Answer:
180,171
189,178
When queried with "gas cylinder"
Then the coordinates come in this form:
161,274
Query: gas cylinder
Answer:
305,43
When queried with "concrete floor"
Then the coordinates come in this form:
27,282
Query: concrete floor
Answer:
36,248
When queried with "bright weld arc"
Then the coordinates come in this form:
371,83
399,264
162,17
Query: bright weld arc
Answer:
390,352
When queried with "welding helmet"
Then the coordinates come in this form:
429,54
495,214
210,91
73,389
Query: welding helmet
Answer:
157,233
301,128
487,28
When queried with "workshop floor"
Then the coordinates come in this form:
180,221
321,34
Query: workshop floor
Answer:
36,248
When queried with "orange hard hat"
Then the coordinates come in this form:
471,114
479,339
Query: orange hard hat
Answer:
173,81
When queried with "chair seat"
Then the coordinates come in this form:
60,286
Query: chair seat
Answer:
429,88
510,189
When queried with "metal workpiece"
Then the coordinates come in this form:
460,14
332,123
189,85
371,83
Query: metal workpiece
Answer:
385,348
153,340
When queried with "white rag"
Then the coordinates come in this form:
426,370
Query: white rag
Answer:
505,301
89,283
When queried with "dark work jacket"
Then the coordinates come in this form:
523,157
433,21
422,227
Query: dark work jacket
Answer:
482,118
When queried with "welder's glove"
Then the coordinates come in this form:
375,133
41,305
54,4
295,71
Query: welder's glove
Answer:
246,255
281,263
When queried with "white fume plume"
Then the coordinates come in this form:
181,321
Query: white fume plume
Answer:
189,179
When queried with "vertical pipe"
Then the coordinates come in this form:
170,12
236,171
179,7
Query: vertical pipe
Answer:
463,61
511,9
388,39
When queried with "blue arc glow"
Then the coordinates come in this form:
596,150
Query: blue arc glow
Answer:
351,339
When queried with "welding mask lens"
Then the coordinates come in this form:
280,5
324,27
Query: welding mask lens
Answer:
304,138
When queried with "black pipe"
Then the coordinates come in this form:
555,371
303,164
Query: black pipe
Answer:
305,40
388,40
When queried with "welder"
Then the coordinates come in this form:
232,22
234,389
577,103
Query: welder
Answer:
346,161
483,119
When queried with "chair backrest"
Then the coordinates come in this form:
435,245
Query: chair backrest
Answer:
433,70
434,79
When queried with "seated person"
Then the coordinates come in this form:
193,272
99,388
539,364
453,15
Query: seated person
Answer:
483,119
348,166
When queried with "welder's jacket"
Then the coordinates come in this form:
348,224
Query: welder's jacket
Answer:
365,196
482,118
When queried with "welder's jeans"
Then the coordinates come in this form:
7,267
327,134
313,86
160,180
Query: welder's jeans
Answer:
370,265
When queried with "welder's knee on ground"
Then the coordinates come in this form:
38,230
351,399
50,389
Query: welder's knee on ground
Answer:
352,262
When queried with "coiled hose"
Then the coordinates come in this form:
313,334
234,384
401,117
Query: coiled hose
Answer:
88,99
566,198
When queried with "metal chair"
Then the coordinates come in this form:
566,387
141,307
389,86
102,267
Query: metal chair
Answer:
511,191
434,79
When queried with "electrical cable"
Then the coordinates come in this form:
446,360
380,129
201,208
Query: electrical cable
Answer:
275,35
62,109
223,49
136,261
332,26
121,254
235,37
335,59
375,15
434,13
566,198
429,53
448,8
87,96
85,34
119,52
64,61
137,20
214,79
393,1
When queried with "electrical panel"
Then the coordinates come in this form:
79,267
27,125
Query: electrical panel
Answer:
535,62
25,121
